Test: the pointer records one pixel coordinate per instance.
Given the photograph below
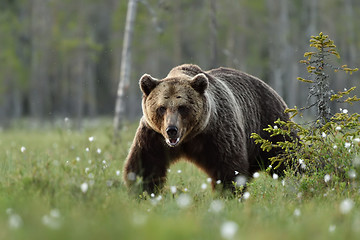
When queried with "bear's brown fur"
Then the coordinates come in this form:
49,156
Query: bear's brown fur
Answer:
206,117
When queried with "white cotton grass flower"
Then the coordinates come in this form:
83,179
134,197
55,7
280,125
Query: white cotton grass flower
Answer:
323,135
335,147
23,149
84,187
275,176
283,182
240,181
209,180
346,206
352,174
228,229
347,145
218,181
91,139
53,219
98,150
327,178
173,189
131,176
118,172
179,171
15,221
139,219
356,140
338,128
246,195
236,173
184,200
203,186
256,175
216,206
332,228
345,111
297,212
87,170
152,195
275,127
77,159
87,149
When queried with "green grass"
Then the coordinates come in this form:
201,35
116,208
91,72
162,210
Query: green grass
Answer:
41,186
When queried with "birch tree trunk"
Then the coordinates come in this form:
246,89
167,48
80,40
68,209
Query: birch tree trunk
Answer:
125,68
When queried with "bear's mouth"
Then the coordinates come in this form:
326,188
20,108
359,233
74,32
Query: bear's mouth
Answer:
172,142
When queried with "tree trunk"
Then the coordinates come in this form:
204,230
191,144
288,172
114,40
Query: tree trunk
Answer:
213,35
39,86
125,68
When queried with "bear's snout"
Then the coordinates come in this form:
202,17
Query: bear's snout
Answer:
173,136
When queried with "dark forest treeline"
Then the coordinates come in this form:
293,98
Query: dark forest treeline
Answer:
61,58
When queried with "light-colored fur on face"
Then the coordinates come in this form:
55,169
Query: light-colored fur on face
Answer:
175,101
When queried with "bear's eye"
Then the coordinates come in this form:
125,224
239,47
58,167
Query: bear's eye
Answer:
183,110
161,110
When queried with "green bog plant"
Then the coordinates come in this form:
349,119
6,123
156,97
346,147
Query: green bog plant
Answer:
329,147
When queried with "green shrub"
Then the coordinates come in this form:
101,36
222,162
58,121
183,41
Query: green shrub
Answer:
328,152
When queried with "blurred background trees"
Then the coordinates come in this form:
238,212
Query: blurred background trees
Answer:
62,58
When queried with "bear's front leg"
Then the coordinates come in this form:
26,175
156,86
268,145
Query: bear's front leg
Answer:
147,162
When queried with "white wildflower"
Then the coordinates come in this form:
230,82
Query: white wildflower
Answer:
338,128
275,176
91,139
152,195
246,195
173,189
209,180
256,175
327,178
236,172
169,170
347,145
22,149
15,221
184,200
203,186
218,181
356,140
179,171
117,172
297,212
84,187
98,150
87,149
346,206
275,127
352,174
77,159
345,111
228,229
335,147
139,219
240,180
332,228
283,182
216,206
131,176
323,135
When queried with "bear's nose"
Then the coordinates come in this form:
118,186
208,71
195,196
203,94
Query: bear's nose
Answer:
172,131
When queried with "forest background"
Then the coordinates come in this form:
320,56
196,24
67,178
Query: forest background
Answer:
60,59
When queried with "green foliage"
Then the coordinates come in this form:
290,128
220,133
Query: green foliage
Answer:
328,148
41,186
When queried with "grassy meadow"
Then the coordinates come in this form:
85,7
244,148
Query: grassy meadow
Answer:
61,184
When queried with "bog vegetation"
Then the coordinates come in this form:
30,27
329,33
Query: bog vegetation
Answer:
64,184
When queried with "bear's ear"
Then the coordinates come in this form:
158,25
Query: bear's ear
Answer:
200,83
147,84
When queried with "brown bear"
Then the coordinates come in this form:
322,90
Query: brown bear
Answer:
205,117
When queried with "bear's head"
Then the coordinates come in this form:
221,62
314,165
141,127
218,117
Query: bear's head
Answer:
177,107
